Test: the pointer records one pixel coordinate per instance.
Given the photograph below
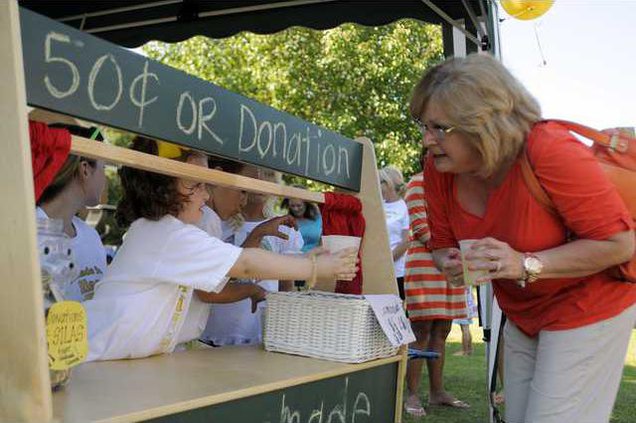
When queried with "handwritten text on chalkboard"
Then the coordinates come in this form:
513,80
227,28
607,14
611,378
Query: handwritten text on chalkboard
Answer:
78,74
364,396
340,413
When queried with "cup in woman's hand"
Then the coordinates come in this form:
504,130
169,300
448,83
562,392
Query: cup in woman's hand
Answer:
470,276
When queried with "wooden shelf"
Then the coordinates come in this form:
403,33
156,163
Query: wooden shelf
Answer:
139,160
133,390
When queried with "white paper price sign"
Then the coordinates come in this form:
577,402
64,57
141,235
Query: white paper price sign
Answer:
389,311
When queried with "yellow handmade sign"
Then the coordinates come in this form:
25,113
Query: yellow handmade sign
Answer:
66,335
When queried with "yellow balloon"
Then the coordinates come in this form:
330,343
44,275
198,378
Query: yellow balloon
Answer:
526,9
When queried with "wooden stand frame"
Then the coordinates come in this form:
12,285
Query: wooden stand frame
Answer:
158,386
24,378
374,244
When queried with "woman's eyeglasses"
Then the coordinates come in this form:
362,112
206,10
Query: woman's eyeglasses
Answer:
438,132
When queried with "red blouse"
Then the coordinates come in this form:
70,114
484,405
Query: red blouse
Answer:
589,206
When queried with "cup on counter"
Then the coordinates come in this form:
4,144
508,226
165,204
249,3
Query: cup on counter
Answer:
470,276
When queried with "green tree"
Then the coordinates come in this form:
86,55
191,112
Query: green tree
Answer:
354,80
110,231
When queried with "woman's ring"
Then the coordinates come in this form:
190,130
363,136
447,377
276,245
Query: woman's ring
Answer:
498,268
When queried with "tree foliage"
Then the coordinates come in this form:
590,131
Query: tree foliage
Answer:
354,80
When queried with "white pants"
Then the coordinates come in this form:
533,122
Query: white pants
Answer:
567,376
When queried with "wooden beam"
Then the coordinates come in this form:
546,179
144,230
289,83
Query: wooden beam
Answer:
377,260
25,391
138,160
401,377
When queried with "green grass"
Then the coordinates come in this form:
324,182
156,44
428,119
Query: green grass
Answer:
465,377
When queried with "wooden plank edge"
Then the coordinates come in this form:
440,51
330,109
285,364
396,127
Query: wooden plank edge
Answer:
399,392
136,159
245,393
25,388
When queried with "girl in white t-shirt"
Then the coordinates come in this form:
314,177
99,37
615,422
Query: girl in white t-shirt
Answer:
150,299
397,219
235,324
79,183
221,219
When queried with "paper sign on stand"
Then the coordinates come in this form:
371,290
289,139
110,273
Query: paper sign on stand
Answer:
66,335
389,311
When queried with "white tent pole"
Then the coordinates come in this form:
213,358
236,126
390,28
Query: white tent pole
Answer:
495,312
473,18
450,20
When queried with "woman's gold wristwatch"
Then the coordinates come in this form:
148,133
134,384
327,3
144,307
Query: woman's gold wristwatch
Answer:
532,267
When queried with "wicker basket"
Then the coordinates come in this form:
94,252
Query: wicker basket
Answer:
323,325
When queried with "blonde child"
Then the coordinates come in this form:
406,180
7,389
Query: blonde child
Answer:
235,324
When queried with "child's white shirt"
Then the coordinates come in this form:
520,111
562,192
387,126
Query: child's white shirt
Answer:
397,221
234,323
141,304
197,317
89,258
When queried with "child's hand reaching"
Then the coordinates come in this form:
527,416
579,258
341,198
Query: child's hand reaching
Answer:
269,228
342,265
258,296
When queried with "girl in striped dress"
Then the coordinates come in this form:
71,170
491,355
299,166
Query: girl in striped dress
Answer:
432,305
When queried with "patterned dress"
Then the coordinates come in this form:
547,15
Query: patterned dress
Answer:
428,295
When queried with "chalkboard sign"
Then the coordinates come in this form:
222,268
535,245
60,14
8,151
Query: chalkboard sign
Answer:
367,396
81,75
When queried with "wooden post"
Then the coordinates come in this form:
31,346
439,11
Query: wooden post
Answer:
377,260
25,393
401,377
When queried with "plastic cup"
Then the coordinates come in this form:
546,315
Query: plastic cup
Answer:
470,276
335,243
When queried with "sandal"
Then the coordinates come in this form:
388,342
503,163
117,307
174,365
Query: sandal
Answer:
414,408
499,398
415,411
453,404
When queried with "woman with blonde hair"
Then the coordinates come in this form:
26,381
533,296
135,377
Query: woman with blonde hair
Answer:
568,321
397,219
78,184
